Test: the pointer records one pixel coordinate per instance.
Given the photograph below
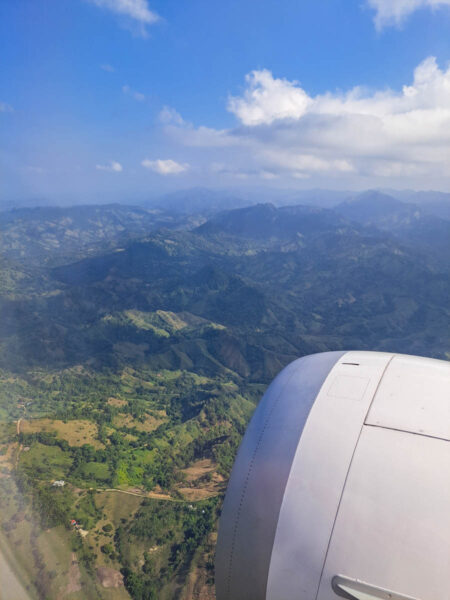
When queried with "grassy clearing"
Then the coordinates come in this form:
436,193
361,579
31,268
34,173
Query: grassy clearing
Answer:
147,322
94,473
117,402
76,433
172,319
117,506
45,462
150,423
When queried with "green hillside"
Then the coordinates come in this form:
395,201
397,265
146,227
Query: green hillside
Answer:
132,359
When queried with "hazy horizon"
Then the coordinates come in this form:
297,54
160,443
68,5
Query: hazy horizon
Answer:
315,197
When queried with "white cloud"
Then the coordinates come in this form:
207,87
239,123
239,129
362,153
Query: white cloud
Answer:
268,175
376,137
165,167
112,167
267,99
169,116
4,107
136,10
133,93
394,12
108,68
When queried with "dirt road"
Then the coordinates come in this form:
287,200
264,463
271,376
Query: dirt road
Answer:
140,494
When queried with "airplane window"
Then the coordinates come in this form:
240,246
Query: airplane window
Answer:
193,196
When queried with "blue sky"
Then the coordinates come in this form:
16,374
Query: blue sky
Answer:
124,99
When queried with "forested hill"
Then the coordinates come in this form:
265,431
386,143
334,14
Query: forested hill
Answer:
134,346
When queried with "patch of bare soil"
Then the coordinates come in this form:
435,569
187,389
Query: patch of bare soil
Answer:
198,469
157,496
109,578
196,493
201,481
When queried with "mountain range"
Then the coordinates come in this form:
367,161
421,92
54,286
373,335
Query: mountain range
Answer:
370,273
135,342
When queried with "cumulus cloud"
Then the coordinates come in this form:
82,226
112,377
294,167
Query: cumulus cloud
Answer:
394,12
137,11
376,136
165,167
7,108
133,93
267,99
112,167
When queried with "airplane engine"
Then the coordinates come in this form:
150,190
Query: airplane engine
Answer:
341,486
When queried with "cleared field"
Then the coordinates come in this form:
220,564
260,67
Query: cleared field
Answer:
195,494
117,506
45,462
95,471
76,433
150,423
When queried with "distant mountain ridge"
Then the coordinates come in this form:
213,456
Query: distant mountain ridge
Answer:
280,282
379,209
409,222
431,202
265,221
198,200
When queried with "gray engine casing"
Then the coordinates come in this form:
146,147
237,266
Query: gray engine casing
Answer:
341,486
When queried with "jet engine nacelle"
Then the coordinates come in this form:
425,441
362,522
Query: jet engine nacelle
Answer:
341,487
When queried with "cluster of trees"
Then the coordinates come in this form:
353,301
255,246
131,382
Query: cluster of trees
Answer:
183,528
51,506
